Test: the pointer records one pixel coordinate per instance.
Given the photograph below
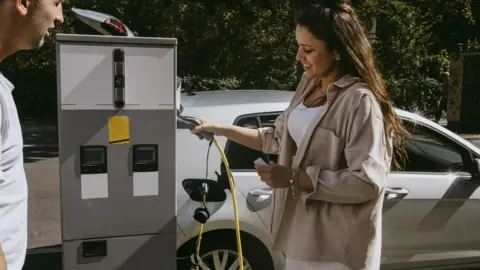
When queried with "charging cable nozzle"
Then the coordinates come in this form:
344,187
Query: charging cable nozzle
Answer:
204,189
202,214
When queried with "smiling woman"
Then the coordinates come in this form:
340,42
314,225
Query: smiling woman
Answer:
334,145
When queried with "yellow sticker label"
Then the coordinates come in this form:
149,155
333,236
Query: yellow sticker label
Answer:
118,130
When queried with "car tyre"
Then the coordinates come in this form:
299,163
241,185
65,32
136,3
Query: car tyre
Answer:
254,251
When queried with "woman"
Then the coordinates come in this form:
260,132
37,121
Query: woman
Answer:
334,143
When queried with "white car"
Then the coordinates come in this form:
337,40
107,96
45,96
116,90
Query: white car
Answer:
430,218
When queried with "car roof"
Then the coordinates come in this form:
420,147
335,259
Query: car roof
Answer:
251,98
235,103
234,97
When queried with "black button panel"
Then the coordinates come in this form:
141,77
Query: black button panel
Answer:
93,159
145,158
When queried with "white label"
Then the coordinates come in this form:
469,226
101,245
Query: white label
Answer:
145,184
94,186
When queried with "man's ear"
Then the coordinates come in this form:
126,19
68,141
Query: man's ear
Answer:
22,6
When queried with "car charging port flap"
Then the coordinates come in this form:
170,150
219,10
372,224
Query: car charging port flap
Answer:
93,159
145,158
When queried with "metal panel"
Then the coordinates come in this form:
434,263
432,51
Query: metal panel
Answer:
87,77
123,253
121,213
138,225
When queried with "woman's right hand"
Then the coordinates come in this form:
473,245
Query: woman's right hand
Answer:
210,126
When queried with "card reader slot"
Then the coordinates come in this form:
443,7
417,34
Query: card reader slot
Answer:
96,248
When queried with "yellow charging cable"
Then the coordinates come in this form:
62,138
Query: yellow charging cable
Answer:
235,210
234,199
201,229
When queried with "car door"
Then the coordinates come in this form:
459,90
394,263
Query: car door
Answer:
241,160
428,218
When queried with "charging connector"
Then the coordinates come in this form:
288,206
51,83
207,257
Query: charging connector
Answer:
204,189
202,214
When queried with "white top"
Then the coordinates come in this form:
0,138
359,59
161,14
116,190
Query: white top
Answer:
292,264
300,119
13,183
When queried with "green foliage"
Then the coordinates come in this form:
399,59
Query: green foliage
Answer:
251,45
418,94
413,41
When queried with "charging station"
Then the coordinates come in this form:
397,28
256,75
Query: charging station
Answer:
117,125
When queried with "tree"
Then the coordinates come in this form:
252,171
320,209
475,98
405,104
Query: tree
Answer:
250,44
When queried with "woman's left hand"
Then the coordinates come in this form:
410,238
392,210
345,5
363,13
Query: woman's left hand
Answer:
274,175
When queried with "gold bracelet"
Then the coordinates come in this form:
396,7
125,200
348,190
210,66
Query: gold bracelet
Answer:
294,182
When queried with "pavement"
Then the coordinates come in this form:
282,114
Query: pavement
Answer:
41,166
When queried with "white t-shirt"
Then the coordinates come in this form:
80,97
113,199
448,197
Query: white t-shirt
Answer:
300,119
13,183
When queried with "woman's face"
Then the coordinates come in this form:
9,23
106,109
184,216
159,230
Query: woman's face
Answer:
317,60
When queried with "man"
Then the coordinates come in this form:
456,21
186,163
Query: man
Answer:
23,26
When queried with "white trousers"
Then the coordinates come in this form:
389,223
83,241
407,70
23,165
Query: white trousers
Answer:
291,264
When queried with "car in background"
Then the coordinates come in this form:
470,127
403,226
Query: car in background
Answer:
430,213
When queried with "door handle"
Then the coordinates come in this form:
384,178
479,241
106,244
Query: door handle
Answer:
259,199
395,193
261,192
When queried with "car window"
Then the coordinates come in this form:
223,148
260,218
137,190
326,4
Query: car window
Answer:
241,157
430,151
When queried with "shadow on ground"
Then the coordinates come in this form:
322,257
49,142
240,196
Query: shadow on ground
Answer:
40,142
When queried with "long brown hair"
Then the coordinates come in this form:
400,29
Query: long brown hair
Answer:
337,24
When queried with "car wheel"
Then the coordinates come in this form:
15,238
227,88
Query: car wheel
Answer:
220,247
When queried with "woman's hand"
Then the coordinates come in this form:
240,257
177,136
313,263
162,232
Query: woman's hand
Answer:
210,126
278,176
274,175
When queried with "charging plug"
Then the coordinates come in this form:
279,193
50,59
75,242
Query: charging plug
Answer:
204,189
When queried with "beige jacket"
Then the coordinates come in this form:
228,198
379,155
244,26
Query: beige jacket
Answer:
341,220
